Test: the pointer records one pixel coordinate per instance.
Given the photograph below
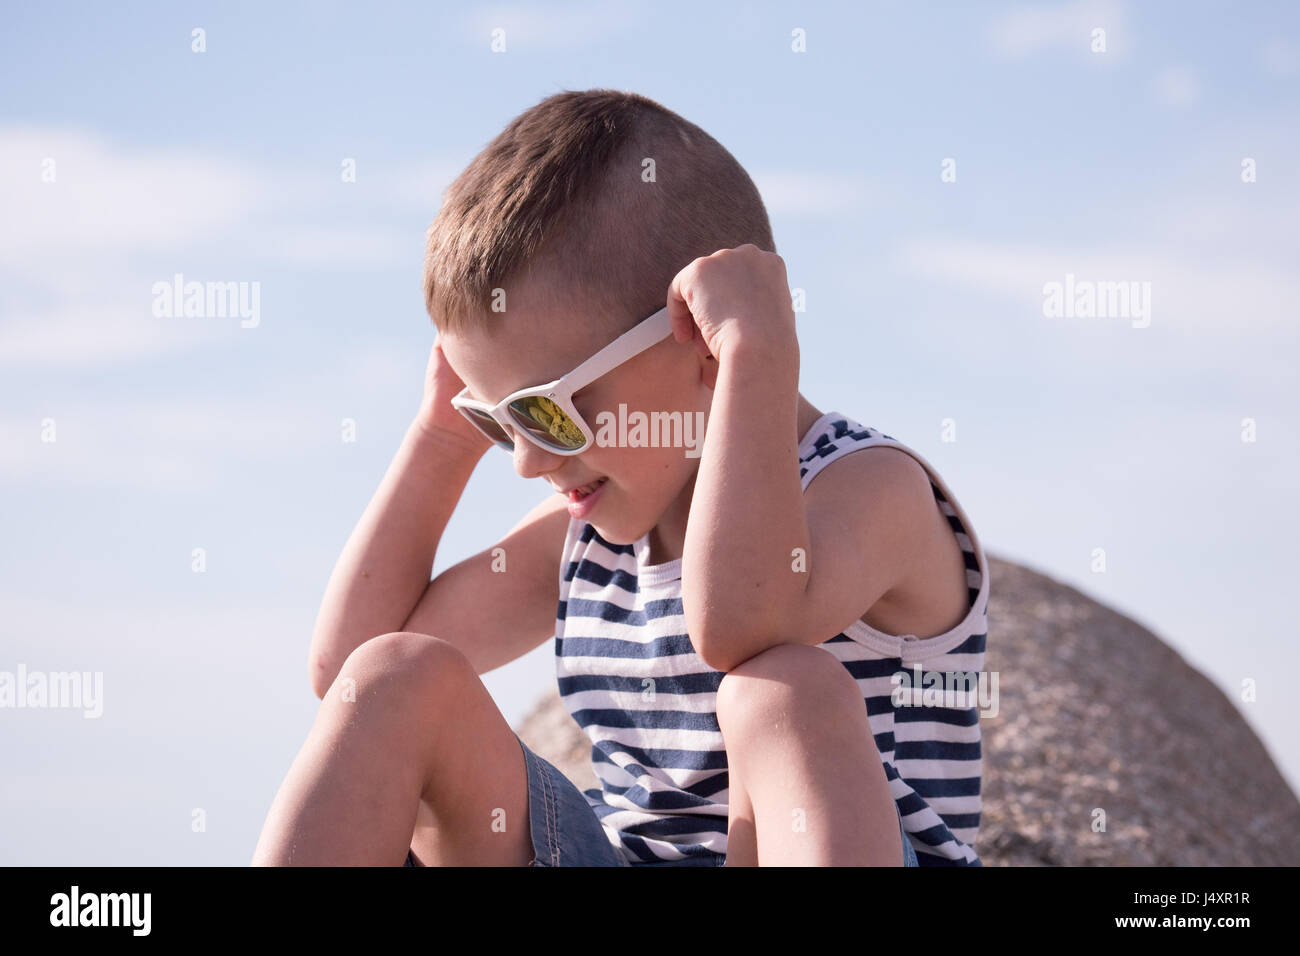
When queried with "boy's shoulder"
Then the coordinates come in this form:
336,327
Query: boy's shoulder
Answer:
878,529
881,489
835,445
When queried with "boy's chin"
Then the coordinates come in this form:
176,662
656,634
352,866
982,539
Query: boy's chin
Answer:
616,534
611,535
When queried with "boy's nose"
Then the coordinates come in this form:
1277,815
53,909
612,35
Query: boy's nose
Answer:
532,461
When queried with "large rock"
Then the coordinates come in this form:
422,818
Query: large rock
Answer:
1095,712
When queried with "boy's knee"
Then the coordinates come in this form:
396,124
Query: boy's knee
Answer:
781,677
418,667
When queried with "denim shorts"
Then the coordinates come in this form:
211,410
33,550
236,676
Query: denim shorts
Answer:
567,832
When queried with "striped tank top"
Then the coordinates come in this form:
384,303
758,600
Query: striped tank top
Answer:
629,676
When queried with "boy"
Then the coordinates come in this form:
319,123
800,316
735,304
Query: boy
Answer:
727,630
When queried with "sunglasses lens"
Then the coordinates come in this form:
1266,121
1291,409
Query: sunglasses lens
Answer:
546,421
488,426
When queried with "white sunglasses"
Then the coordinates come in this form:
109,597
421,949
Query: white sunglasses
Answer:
545,414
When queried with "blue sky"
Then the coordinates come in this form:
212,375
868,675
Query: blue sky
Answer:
924,303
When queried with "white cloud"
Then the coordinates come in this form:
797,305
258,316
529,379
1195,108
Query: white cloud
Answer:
84,454
568,26
109,201
156,444
72,250
107,197
421,185
379,367
1188,293
41,792
83,336
812,193
1176,86
1280,57
338,246
1068,27
193,441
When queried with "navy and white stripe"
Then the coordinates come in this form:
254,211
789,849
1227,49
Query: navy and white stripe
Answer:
631,679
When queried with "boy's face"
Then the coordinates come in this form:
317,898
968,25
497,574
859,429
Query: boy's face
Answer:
539,339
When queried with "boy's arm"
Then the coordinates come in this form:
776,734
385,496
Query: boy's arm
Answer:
499,604
384,567
742,588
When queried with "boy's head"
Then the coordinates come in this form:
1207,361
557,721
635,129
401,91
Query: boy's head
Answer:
565,232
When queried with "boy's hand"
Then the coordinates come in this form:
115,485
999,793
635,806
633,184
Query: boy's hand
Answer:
734,296
441,384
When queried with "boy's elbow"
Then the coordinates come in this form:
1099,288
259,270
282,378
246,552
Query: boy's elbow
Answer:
324,660
700,634
719,648
725,647
321,672
725,639
710,635
703,630
715,657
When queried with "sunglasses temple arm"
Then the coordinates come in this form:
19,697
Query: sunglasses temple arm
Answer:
632,342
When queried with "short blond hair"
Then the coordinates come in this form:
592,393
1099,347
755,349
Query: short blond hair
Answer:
561,192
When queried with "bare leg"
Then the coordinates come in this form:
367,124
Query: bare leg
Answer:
742,839
408,751
802,758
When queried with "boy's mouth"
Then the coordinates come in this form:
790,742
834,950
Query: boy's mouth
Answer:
582,491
